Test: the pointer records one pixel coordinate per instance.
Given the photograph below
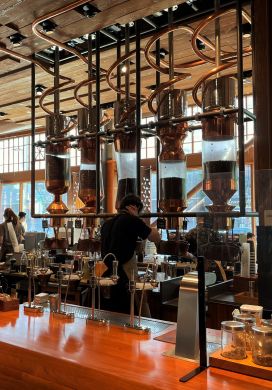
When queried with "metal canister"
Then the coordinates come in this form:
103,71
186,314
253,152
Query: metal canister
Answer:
53,301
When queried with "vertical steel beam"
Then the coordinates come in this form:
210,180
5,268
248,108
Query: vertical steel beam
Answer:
97,76
138,104
56,82
33,93
240,108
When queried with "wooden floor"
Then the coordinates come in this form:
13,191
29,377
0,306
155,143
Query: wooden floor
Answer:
43,353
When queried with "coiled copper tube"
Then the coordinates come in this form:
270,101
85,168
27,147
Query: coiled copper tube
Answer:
56,42
225,58
121,91
43,67
164,66
150,58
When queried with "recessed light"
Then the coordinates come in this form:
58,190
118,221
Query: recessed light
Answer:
16,39
48,26
39,88
246,30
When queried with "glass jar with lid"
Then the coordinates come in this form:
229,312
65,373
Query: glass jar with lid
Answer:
233,340
262,345
253,310
249,321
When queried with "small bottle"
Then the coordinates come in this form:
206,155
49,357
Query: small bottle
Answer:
23,262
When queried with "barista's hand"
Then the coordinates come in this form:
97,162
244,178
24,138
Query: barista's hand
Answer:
133,210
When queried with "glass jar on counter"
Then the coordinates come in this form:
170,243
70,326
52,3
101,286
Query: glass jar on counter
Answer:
262,345
249,322
233,340
253,310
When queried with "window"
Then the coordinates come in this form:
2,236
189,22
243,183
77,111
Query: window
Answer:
15,154
42,201
10,198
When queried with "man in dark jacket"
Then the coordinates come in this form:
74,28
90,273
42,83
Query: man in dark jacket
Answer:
119,236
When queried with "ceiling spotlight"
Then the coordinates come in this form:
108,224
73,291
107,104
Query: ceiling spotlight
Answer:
246,30
54,47
123,68
48,26
87,10
174,8
86,36
115,28
152,87
192,5
158,14
163,52
39,88
3,113
16,39
130,24
200,45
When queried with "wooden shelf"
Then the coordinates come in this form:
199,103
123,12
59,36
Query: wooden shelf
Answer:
245,366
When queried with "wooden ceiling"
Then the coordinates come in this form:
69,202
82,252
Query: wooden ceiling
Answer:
17,16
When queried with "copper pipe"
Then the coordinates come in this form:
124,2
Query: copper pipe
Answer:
50,91
163,86
26,58
228,55
80,85
157,36
115,65
204,23
51,40
58,43
215,70
43,67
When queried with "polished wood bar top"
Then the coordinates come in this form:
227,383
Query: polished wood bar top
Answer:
46,353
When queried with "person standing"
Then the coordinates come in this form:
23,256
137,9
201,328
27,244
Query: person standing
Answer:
22,221
119,236
10,234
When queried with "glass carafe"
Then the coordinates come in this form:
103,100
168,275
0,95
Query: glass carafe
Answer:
125,146
172,159
219,154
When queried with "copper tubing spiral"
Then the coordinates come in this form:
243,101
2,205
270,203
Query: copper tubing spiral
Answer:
106,117
164,66
225,58
56,42
150,58
120,91
43,67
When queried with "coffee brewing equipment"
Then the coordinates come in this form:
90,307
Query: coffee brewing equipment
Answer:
125,145
96,281
57,172
30,307
61,313
87,171
172,160
219,154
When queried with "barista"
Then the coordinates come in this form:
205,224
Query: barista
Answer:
119,236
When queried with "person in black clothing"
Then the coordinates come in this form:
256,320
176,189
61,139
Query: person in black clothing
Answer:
119,236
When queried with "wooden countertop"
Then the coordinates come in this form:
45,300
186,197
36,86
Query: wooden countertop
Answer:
45,353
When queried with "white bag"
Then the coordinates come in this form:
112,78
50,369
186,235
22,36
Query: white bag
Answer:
17,248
